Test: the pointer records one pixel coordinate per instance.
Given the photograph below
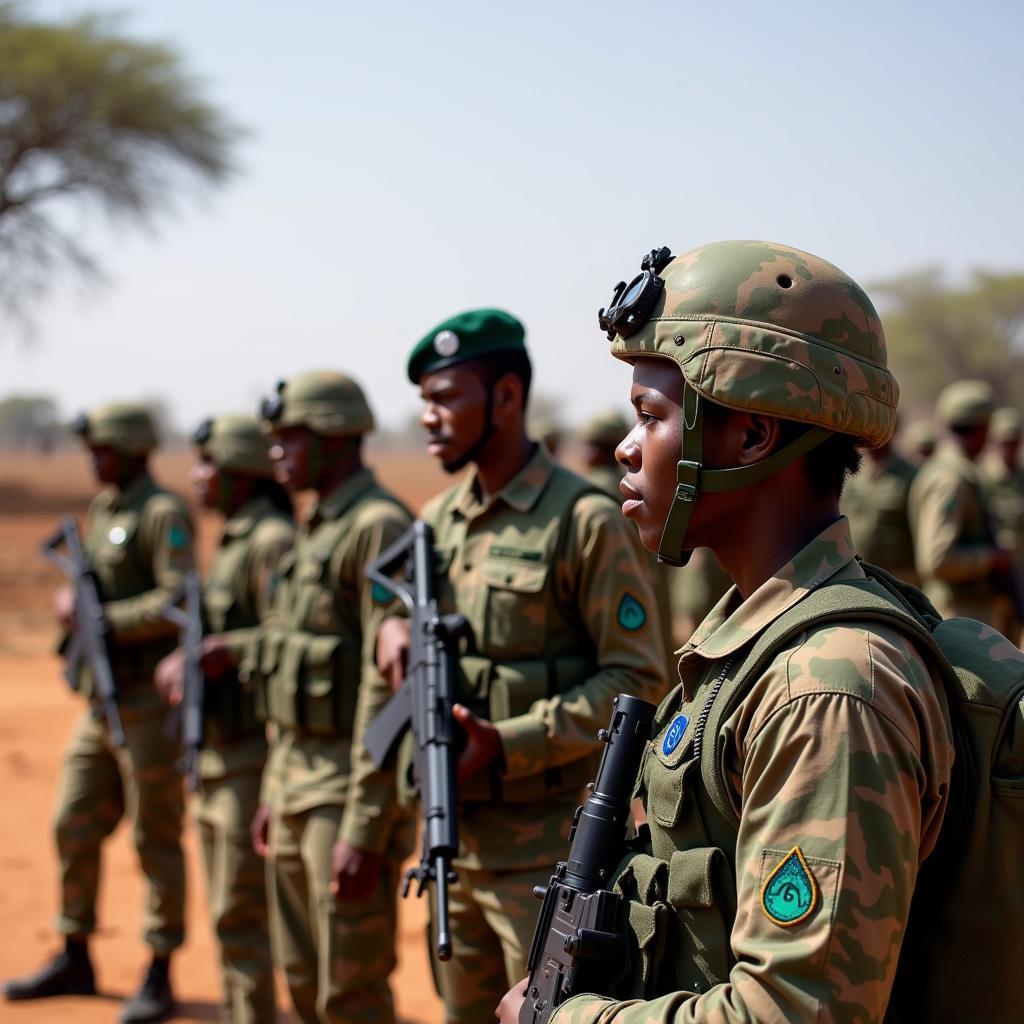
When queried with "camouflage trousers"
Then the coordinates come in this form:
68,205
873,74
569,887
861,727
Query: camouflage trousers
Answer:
493,917
100,783
336,957
236,882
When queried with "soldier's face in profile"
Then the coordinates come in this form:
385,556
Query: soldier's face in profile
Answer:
290,455
650,451
105,464
454,411
205,483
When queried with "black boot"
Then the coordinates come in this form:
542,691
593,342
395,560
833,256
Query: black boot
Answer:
154,1001
69,973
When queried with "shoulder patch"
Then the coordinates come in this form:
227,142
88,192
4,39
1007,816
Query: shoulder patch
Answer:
631,615
380,594
790,893
177,537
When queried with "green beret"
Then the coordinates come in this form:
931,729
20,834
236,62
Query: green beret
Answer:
965,403
605,428
1006,425
473,335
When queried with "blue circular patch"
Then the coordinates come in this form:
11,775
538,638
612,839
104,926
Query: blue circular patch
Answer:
675,733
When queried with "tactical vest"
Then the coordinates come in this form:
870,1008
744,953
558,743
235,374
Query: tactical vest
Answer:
114,548
309,664
230,705
969,896
530,641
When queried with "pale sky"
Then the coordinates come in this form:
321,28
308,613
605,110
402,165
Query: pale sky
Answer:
410,160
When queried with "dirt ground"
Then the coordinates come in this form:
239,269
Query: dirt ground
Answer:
37,714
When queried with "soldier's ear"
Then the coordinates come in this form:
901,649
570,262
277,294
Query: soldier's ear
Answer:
508,394
759,436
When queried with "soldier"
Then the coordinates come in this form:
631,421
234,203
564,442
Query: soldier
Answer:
234,476
139,542
601,435
962,567
329,820
875,501
564,619
778,887
921,441
1002,482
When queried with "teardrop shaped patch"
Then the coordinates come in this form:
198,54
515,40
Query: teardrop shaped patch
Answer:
790,893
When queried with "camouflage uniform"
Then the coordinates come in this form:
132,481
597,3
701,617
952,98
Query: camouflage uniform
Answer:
236,595
875,500
139,541
564,619
313,664
864,808
836,762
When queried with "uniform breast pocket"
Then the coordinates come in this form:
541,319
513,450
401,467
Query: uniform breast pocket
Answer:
313,595
516,607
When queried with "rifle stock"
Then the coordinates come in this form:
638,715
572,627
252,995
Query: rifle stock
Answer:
424,704
89,638
577,942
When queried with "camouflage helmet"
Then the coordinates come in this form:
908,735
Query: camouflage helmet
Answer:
965,403
759,327
606,428
1005,425
235,443
125,427
324,401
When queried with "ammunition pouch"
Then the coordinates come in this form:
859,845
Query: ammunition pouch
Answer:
498,691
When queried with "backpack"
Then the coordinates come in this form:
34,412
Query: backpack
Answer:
962,957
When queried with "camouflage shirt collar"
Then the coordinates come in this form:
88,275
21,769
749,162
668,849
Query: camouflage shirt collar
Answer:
520,493
330,506
115,499
732,622
244,521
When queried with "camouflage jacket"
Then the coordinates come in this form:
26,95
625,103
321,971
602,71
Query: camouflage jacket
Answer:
954,540
838,763
875,500
564,618
316,649
139,541
236,599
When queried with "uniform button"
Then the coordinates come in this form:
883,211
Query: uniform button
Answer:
466,566
508,579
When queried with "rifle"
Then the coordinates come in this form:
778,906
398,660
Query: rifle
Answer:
89,639
185,610
424,702
577,942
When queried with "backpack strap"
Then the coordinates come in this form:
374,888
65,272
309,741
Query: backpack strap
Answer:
853,601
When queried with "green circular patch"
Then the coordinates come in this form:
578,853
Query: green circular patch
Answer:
631,615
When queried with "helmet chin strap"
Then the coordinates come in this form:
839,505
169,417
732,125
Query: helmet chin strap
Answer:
692,478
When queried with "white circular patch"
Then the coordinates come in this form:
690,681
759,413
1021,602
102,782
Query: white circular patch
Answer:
446,343
117,535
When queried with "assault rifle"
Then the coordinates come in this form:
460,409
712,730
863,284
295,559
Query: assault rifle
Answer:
89,638
185,611
424,702
577,942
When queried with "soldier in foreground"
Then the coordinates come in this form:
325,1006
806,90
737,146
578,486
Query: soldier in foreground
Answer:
139,543
234,476
963,568
778,887
329,820
564,619
875,501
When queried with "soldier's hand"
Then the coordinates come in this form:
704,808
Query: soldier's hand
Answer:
483,743
511,1003
217,657
393,650
169,677
259,830
64,608
355,873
